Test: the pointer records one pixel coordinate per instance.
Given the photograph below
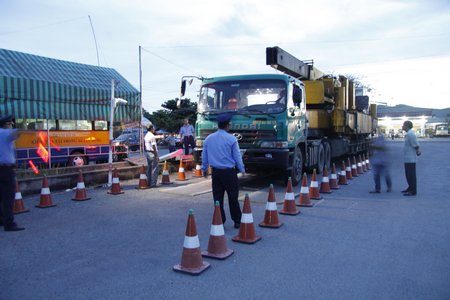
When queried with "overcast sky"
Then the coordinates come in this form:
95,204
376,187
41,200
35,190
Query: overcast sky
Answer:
401,49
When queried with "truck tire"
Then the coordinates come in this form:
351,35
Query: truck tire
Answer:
320,159
76,159
296,171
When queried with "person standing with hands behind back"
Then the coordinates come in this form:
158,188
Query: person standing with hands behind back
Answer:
187,136
7,173
221,152
151,152
410,151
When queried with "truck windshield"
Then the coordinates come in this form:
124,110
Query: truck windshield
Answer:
262,96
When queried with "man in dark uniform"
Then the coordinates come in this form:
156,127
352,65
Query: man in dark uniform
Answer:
7,173
221,152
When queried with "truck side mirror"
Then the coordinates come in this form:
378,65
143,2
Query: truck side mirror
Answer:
297,96
183,88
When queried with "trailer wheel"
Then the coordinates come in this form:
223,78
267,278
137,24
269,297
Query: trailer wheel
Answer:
76,159
320,159
327,154
296,171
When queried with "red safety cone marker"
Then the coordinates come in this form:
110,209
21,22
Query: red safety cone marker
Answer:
271,214
115,187
19,207
334,179
343,175
143,182
198,171
367,162
247,229
363,163
354,168
80,192
348,170
191,259
165,179
303,199
181,174
314,187
325,184
289,207
45,200
217,245
359,165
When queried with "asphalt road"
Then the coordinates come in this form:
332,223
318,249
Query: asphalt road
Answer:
350,245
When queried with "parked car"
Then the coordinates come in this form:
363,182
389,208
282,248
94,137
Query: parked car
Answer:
129,140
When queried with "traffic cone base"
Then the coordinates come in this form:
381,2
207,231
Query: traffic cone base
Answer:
181,176
165,179
334,179
303,199
80,193
115,187
198,171
271,214
216,244
289,207
19,207
143,182
192,271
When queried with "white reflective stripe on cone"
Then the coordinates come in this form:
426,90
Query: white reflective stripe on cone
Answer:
343,173
143,176
348,168
304,190
191,242
333,176
18,196
165,172
289,196
80,185
45,191
115,180
271,205
217,230
325,179
247,218
359,164
353,166
181,170
198,167
314,184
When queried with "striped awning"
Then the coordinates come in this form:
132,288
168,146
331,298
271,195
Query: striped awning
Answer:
38,87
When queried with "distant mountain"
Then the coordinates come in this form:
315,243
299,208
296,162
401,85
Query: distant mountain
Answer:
406,109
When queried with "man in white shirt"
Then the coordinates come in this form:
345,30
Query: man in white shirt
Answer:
151,153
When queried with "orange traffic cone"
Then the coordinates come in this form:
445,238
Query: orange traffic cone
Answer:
358,165
271,214
367,161
80,193
191,259
217,245
289,207
333,179
348,170
325,184
343,175
314,187
165,175
198,171
181,174
45,200
19,207
354,168
115,187
303,199
247,229
143,182
363,163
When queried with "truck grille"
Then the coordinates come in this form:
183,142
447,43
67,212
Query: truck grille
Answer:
246,137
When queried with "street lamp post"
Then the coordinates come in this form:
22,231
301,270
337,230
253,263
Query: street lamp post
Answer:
114,102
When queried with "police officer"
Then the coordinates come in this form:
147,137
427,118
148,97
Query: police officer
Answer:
7,173
221,152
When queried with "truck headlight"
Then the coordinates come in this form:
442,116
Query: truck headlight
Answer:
274,144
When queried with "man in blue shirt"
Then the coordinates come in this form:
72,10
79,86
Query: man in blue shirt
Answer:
187,136
7,173
221,152
410,151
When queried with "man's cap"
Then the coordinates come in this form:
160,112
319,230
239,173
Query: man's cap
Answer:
6,119
223,118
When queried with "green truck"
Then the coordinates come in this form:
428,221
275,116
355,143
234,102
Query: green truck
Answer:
291,121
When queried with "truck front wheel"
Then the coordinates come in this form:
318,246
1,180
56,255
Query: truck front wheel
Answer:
296,171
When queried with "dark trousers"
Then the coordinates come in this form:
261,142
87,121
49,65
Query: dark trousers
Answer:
378,171
7,194
188,141
410,173
227,180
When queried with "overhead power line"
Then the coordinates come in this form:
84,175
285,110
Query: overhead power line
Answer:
41,26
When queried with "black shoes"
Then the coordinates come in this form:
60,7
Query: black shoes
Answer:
405,191
13,227
409,194
374,192
237,225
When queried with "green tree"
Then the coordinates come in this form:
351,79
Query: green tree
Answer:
171,117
